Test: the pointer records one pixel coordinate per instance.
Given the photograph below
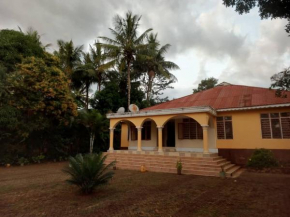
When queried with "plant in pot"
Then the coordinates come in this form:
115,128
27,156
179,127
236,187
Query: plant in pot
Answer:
179,166
222,173
22,161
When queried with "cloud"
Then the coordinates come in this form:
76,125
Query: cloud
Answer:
207,38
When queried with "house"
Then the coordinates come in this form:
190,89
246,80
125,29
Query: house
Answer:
228,120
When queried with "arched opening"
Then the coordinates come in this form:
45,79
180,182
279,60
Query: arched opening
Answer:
149,135
182,133
122,134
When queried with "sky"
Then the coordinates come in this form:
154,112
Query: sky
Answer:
207,39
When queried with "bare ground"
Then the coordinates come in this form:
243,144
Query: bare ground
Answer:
40,190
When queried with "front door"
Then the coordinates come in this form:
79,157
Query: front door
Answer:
171,134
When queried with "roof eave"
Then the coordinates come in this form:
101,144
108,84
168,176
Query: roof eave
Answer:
254,107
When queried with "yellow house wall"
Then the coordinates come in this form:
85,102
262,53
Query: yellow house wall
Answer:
160,120
247,131
124,135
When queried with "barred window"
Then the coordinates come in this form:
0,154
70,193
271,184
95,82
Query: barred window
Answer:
275,125
146,131
224,127
189,129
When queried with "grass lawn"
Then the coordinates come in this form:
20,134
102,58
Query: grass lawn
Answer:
40,190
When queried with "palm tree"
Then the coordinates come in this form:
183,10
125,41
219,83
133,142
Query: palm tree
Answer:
69,55
94,122
153,62
126,44
92,70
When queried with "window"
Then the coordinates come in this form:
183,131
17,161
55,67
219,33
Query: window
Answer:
133,133
189,129
275,125
224,127
146,131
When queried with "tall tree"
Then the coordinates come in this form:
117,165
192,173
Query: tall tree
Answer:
267,8
206,84
69,55
94,122
281,82
152,61
92,70
126,44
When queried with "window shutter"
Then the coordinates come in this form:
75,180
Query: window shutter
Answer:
220,130
285,122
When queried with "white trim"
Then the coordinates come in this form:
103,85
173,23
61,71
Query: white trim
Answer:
254,107
211,150
182,110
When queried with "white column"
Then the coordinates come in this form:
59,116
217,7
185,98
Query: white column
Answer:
160,138
111,139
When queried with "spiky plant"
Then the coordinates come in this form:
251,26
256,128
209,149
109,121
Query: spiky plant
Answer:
89,171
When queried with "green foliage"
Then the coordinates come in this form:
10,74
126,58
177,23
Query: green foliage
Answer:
281,82
262,158
15,45
206,84
126,45
41,92
38,159
179,165
23,161
89,171
267,8
69,55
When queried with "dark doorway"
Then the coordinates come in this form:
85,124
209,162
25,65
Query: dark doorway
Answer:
171,134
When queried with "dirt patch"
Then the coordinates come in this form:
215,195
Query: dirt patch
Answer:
40,190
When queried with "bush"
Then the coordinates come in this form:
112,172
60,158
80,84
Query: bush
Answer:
23,161
89,171
262,158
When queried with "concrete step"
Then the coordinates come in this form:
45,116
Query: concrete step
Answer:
231,171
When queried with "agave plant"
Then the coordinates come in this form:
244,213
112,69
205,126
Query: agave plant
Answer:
89,171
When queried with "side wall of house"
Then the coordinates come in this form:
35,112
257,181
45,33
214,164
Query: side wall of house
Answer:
247,136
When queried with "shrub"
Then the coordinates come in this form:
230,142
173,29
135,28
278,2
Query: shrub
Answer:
23,161
89,171
38,159
179,165
262,158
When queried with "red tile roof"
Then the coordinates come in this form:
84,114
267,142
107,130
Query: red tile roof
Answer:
229,96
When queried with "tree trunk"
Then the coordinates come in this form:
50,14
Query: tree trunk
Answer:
151,75
92,139
129,85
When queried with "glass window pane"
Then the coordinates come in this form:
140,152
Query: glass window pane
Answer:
264,115
229,130
228,118
285,114
220,118
274,115
276,128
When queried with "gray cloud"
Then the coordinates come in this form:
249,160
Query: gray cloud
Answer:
206,28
